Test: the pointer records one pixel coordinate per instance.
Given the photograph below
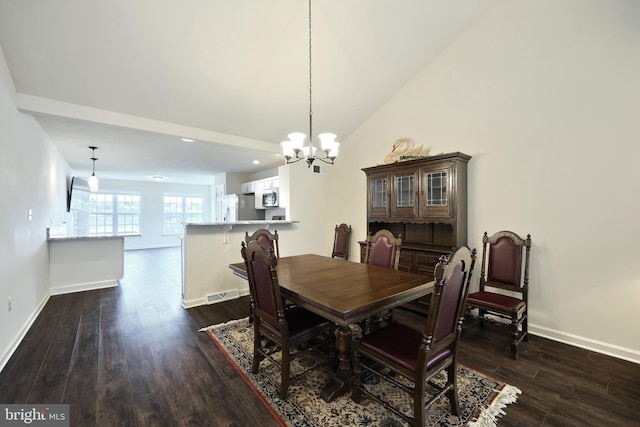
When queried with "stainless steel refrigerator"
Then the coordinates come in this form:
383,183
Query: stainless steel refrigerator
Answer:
239,207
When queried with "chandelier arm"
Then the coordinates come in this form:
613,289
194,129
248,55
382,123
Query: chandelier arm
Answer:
295,160
327,160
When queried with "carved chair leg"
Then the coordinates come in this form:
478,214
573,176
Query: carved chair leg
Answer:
525,327
286,372
419,412
481,314
452,394
514,339
256,350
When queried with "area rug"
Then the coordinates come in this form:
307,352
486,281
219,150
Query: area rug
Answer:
482,399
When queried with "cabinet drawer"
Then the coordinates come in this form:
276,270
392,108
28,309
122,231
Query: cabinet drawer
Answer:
405,267
429,259
406,257
406,262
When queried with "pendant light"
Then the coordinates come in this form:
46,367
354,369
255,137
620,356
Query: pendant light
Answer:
93,179
294,149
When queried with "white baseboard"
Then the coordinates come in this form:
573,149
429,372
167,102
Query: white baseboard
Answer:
80,287
586,343
203,301
194,302
142,247
8,352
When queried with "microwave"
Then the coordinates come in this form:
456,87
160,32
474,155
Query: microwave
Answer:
270,198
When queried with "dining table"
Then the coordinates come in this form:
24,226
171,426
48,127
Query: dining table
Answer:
345,293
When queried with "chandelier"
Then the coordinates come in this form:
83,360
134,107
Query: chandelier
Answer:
93,179
294,149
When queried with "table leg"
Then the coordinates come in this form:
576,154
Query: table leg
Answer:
343,380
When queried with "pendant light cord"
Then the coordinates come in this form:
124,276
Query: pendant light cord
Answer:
310,91
94,158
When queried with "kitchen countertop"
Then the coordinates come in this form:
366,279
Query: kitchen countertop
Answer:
71,237
249,222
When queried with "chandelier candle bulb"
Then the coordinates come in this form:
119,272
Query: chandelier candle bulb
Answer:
297,140
287,149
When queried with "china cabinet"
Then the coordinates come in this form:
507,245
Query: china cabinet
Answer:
425,200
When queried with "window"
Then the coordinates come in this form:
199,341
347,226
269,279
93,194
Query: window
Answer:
182,209
114,214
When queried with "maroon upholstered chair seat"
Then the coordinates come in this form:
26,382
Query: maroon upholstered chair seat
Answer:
503,255
421,355
401,344
496,301
301,322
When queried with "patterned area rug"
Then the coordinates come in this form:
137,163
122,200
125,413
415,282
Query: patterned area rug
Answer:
482,399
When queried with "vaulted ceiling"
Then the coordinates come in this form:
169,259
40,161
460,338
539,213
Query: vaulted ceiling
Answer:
134,77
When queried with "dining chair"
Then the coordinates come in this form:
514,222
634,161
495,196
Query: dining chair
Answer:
265,238
505,255
286,327
419,356
382,250
341,241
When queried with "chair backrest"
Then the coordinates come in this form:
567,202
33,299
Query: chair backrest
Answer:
341,241
504,261
264,290
448,302
265,238
383,249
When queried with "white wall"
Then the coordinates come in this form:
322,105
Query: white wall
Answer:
152,218
32,176
544,95
309,202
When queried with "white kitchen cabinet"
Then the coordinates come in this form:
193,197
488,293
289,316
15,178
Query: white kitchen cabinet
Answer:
268,184
247,187
258,187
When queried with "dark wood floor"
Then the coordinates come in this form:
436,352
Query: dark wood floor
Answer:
131,356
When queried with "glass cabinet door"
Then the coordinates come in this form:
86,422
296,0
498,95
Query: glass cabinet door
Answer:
404,191
436,193
404,195
436,189
379,196
379,193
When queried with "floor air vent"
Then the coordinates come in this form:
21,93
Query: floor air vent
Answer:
222,296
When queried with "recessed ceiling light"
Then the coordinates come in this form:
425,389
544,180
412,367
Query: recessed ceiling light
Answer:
157,178
256,162
186,139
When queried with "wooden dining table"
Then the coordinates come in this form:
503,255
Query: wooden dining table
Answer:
346,293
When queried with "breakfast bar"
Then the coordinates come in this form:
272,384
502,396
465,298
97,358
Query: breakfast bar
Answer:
82,263
208,249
